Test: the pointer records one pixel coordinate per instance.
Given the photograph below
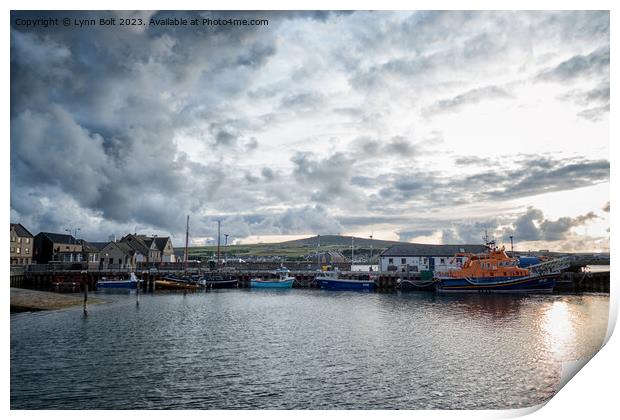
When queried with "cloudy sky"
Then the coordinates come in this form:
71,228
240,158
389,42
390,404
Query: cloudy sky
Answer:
418,126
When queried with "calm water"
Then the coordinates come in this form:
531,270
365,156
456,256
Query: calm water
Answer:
302,349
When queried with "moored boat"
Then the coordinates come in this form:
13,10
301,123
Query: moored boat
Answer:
172,284
284,281
331,280
219,281
130,283
493,271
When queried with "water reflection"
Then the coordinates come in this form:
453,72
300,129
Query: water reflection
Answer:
301,349
557,327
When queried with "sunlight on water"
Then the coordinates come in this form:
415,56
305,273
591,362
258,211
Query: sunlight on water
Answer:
558,328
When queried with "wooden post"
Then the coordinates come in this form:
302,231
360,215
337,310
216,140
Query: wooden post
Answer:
85,283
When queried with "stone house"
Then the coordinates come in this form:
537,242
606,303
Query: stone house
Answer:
22,243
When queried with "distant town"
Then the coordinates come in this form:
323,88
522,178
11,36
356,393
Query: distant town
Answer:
134,250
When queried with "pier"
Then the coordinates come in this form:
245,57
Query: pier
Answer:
72,278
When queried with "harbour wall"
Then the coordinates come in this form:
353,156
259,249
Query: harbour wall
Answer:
73,280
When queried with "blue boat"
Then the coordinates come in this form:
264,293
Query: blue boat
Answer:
331,280
284,281
130,283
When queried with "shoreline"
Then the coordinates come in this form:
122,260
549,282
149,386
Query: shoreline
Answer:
26,300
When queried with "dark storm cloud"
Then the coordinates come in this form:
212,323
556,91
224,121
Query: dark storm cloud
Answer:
142,126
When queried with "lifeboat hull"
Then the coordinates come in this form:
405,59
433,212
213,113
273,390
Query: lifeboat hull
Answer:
529,284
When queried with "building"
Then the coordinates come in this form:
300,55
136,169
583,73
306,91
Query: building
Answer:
119,255
146,251
52,247
332,257
164,245
422,257
91,252
21,245
151,248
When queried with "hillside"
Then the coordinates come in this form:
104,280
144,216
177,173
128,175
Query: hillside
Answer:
296,249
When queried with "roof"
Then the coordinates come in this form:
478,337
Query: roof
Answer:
160,242
123,246
59,238
425,250
93,246
136,242
21,230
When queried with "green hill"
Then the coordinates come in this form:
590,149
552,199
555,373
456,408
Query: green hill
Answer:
296,249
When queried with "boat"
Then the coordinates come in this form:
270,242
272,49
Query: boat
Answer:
284,281
217,280
331,280
493,271
130,283
168,283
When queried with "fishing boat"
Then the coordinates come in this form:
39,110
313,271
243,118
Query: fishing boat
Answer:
284,281
331,280
130,283
493,271
217,280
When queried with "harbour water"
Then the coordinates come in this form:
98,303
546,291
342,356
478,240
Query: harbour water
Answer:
302,349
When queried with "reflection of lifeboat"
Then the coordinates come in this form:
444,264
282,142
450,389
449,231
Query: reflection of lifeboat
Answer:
493,271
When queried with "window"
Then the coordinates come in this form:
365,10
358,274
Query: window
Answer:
18,250
12,238
442,261
27,240
66,247
390,260
403,260
26,250
111,261
12,249
19,240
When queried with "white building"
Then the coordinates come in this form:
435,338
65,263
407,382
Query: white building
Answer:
415,258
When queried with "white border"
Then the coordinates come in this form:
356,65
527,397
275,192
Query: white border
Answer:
590,395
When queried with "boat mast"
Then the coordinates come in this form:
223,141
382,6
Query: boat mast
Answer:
218,244
352,252
318,246
186,257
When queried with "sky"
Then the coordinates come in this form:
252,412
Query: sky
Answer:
415,126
